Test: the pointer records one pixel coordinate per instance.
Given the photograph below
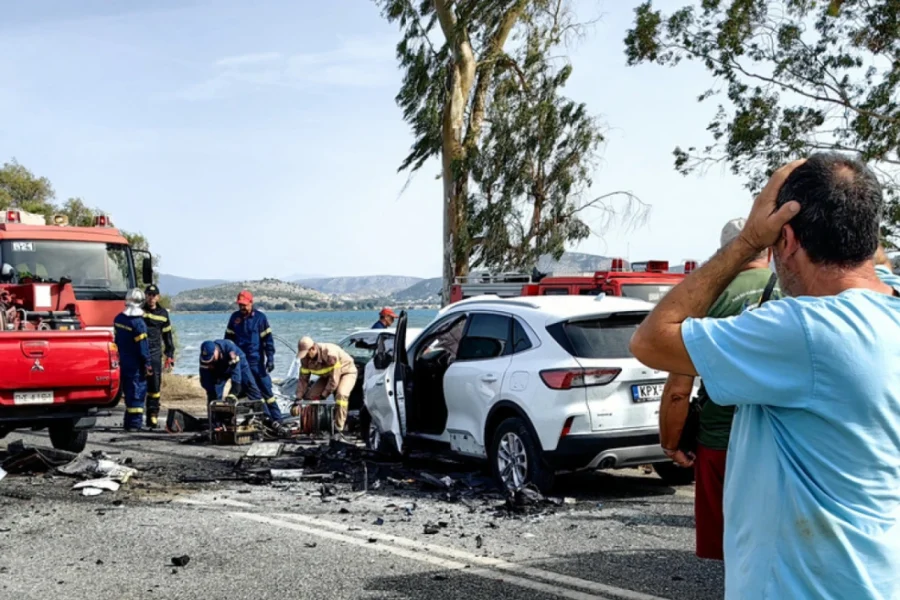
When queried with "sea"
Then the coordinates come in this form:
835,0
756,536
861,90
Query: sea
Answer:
192,329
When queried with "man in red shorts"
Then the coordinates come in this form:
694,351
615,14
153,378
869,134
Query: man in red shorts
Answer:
715,421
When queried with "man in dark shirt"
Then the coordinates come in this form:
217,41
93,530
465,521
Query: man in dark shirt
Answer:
385,319
159,335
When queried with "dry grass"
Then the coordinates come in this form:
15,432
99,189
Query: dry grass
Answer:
179,391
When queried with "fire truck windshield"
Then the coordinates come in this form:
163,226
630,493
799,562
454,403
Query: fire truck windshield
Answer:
97,271
650,292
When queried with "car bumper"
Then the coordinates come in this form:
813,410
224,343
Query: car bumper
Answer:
606,451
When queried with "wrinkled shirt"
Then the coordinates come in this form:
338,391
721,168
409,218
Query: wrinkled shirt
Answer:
812,485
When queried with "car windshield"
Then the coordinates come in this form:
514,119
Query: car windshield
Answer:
361,348
97,270
649,292
601,337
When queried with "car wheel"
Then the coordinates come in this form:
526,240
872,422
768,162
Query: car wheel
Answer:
517,459
672,474
64,436
370,433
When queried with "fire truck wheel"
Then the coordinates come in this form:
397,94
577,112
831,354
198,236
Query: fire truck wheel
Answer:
64,436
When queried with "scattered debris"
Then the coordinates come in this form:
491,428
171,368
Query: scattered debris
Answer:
439,577
479,541
344,511
2,473
373,540
431,528
181,561
265,450
311,544
97,465
33,459
379,521
95,487
178,421
286,474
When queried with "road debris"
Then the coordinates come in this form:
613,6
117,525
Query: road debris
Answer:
95,487
98,465
181,561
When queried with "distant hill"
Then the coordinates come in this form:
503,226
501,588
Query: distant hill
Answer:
426,291
173,284
271,294
371,286
573,262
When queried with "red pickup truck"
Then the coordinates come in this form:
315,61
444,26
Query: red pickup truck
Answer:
55,374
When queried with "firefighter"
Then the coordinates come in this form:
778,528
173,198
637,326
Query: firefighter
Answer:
159,335
134,358
385,319
221,361
249,329
336,371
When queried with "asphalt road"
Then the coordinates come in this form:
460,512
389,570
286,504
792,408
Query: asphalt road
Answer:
627,536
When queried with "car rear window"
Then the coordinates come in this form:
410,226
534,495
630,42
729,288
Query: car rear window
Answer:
603,337
646,291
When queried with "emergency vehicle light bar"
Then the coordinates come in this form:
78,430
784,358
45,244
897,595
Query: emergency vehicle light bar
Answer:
617,264
657,266
690,266
61,220
102,221
13,216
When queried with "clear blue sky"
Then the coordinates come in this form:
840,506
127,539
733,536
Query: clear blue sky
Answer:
262,139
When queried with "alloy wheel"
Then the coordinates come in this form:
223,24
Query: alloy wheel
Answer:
512,461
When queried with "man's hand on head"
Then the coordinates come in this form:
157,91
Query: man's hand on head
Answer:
766,220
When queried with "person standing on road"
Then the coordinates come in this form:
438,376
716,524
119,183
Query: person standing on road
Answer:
134,358
336,371
385,319
746,291
249,329
812,484
159,336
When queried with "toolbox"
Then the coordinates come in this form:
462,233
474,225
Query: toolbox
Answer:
235,422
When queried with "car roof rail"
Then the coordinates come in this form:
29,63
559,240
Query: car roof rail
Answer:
496,300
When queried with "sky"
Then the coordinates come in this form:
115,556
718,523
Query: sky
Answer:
251,140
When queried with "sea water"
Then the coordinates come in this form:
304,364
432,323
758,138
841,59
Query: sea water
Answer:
192,329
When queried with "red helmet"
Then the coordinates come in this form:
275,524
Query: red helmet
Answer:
245,297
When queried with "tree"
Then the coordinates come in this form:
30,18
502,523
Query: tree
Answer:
20,188
797,75
490,76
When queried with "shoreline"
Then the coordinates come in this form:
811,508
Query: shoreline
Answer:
176,311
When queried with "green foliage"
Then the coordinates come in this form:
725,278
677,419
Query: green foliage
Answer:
797,76
482,90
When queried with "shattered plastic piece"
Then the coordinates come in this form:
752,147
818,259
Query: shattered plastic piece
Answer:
378,521
181,561
264,450
286,474
24,459
310,544
344,511
479,541
87,466
99,485
2,473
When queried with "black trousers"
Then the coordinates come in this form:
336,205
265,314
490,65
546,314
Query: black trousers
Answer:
154,384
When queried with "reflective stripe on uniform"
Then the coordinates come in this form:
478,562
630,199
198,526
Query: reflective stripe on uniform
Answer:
156,395
140,337
266,332
167,329
342,403
324,371
134,411
229,332
121,326
271,401
155,317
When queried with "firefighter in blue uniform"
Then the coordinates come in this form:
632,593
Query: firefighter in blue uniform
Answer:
134,358
221,361
249,330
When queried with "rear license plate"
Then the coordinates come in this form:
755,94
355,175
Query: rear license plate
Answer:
650,392
20,398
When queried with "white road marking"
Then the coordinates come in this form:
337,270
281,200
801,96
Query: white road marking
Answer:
423,557
484,561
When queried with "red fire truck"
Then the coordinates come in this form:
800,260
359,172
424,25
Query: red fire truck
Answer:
648,280
56,283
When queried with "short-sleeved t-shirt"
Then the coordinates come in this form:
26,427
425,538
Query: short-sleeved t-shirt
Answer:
744,292
812,486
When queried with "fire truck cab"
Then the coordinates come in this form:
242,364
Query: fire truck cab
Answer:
97,261
647,281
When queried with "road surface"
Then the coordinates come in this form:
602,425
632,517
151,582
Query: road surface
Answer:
627,536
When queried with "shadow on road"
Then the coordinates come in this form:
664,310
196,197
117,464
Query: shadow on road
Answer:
672,574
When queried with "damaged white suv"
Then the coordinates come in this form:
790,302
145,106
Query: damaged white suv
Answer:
534,385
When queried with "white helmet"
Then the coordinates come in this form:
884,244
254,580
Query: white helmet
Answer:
134,300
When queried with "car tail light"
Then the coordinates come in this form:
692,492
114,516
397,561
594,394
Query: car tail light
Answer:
113,356
566,379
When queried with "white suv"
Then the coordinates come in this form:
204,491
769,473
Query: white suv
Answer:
535,385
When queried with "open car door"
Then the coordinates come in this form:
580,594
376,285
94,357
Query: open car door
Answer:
385,397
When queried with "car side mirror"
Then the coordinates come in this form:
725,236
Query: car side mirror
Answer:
147,270
382,360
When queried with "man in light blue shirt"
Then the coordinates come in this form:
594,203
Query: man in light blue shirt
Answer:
812,487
